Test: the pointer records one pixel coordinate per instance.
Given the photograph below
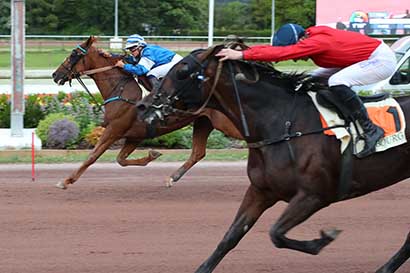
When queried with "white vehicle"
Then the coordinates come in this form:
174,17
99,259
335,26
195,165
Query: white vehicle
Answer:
399,82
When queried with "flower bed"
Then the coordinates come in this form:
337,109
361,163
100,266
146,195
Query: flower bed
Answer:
70,110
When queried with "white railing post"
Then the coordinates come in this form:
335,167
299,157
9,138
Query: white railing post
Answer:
17,67
211,23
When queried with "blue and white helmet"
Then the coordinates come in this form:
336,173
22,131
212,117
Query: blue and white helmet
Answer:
135,40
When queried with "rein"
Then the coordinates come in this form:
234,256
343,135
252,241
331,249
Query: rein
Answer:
97,70
99,106
217,76
78,75
238,100
211,93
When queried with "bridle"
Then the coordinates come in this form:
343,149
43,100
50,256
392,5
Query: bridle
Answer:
163,109
76,55
166,108
73,59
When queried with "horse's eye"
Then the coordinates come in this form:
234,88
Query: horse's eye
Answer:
183,73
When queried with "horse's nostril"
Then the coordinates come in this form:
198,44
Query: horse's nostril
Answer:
53,75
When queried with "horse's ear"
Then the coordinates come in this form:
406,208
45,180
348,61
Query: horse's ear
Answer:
91,40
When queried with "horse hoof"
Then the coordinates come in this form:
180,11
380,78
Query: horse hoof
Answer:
331,233
169,183
154,154
61,185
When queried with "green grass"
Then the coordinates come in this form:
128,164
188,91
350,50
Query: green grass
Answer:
300,66
37,60
64,156
50,59
42,59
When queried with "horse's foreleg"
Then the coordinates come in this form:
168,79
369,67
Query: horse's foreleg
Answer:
128,148
398,259
201,129
102,145
253,205
300,208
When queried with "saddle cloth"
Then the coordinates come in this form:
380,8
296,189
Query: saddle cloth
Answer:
386,113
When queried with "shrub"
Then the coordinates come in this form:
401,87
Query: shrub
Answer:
4,111
94,135
79,105
217,140
82,107
181,138
44,125
62,134
33,112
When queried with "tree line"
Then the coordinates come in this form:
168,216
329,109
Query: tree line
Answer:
157,17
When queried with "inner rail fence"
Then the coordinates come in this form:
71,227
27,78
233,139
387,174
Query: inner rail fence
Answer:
67,42
176,43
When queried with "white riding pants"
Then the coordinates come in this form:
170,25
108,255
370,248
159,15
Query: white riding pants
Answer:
380,65
160,71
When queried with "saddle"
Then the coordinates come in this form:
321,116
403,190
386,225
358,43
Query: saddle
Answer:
328,100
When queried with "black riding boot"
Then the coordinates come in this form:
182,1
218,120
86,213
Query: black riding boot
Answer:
154,82
371,132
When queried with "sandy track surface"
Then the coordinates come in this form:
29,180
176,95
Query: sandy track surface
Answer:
124,220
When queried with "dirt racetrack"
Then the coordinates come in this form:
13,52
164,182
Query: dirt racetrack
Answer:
123,220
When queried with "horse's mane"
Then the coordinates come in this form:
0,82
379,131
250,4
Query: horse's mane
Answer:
301,80
112,60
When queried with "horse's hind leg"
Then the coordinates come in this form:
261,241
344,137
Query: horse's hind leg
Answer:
102,145
128,148
300,208
398,259
201,129
253,205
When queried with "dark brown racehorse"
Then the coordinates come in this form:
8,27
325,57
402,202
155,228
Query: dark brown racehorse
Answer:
286,162
120,92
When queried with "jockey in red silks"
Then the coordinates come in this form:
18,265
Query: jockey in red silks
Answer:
345,58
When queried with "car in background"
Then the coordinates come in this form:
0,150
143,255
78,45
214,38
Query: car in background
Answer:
399,82
401,46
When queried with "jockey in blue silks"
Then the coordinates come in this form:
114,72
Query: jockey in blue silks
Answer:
154,61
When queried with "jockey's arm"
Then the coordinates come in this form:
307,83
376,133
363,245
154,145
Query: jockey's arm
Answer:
136,69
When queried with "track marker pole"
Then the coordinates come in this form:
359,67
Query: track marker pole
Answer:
33,170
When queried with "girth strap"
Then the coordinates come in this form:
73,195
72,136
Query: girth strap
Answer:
120,98
289,136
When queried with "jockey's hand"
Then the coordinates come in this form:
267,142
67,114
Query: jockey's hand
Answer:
120,63
104,53
229,54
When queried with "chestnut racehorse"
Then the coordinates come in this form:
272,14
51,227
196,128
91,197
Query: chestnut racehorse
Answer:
290,159
121,91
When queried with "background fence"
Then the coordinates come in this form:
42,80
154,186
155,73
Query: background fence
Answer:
67,42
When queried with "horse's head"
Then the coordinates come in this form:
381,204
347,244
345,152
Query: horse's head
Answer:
84,57
183,89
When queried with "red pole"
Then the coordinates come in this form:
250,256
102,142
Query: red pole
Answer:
33,170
